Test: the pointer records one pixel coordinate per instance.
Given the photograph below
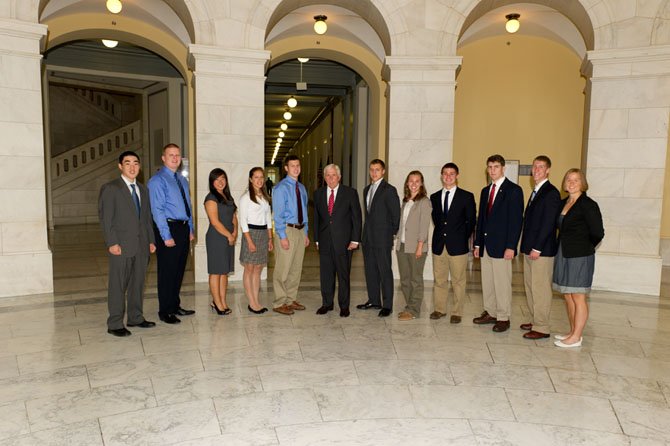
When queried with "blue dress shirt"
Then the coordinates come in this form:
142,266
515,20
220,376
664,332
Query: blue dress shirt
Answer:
166,201
285,205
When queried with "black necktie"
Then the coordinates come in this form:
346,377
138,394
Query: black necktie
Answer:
445,207
297,196
183,195
136,199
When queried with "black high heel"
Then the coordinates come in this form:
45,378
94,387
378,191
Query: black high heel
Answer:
223,312
261,311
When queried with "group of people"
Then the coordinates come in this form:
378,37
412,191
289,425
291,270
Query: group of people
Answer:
558,241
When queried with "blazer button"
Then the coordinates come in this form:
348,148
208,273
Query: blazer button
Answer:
485,234
444,234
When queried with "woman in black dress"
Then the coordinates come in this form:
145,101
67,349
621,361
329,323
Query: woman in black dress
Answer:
220,238
580,230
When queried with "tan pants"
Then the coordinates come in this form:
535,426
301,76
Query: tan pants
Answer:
443,266
288,266
537,276
411,279
497,287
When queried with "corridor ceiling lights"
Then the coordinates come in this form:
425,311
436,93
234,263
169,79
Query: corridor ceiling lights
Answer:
282,134
292,102
110,43
320,26
283,126
114,6
513,23
287,115
279,140
303,59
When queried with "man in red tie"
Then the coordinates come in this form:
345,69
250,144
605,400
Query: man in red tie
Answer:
337,223
496,239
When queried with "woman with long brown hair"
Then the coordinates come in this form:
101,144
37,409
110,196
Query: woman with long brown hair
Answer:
256,224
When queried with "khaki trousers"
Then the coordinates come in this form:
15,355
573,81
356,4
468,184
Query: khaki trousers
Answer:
497,287
411,279
443,266
288,266
537,275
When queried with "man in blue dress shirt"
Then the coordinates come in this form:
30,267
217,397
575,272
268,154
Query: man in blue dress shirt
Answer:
173,229
289,203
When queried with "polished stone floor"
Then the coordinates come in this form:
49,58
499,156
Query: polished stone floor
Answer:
244,379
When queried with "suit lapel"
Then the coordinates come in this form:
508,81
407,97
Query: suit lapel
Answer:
380,187
454,202
128,199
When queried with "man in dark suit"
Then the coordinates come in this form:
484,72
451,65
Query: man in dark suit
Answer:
496,239
382,220
125,216
337,223
454,219
539,246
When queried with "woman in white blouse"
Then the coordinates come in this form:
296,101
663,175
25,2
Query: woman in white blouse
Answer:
256,223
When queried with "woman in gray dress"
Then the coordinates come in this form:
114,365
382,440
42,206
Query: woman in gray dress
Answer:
580,230
220,239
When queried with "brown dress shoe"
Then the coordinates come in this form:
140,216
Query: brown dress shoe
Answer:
501,326
295,305
437,315
284,309
455,319
526,327
485,318
405,316
535,335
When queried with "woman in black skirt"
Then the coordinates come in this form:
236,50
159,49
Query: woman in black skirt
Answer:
580,230
220,238
256,223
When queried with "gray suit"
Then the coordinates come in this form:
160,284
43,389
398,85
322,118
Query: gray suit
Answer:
121,225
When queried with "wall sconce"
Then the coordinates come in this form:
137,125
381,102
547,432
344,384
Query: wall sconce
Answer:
292,102
114,6
512,24
110,43
320,26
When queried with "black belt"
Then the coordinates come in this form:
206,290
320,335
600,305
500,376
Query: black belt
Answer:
179,222
291,225
257,226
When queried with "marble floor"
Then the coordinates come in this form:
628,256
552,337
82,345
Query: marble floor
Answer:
245,379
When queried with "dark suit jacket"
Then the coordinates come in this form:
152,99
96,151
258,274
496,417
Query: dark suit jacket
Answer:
582,228
118,218
500,230
383,220
539,222
454,230
343,226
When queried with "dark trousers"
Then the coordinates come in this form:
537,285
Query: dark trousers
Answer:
126,275
331,265
171,266
378,275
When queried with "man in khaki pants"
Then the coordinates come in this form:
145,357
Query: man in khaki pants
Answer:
289,203
454,218
539,246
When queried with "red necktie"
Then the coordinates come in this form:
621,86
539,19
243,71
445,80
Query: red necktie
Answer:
299,200
491,196
331,202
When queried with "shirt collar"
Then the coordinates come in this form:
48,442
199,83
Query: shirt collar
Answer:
538,186
127,181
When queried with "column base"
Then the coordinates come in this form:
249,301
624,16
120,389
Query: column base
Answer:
628,274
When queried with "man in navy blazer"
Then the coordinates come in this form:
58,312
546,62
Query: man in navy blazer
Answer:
382,221
337,233
539,246
454,218
496,239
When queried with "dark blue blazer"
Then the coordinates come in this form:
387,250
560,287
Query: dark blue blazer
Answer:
539,222
383,220
500,230
454,230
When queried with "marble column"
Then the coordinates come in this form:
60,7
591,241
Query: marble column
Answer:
421,120
625,162
25,258
229,127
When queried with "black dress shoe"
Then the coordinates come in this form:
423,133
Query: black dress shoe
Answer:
344,312
384,312
324,309
144,324
368,305
120,332
169,319
181,312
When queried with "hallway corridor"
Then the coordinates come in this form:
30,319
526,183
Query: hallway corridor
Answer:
245,379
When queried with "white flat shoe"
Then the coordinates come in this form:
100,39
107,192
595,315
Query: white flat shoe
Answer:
564,345
560,337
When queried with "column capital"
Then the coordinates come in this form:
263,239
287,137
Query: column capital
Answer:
218,61
421,70
652,61
13,31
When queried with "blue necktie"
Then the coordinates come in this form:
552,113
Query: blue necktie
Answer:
183,195
136,199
